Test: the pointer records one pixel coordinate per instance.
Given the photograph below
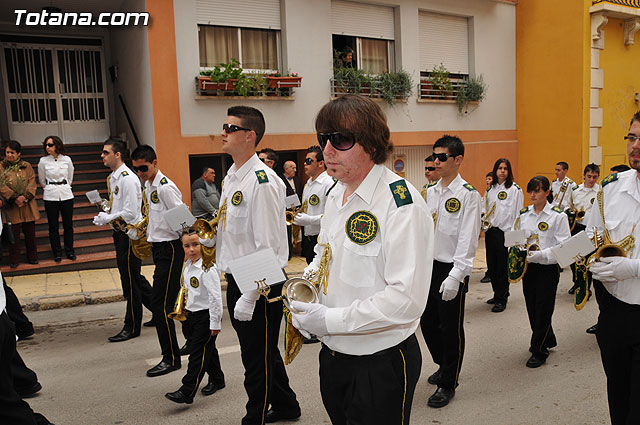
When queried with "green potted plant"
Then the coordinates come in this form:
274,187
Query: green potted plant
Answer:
221,77
473,90
439,78
392,86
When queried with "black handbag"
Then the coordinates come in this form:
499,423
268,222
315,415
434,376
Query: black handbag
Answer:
7,236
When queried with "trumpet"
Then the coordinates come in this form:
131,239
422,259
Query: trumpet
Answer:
290,215
206,229
179,312
294,289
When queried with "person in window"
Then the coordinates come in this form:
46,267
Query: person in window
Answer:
55,173
205,195
346,57
18,189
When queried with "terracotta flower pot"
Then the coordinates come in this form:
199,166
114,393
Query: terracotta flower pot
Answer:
284,82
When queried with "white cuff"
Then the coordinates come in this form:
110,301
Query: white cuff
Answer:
215,325
334,319
457,274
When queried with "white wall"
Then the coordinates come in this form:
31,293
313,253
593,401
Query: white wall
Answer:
306,37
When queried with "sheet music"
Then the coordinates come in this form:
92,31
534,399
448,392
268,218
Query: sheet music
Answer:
292,201
515,237
94,196
179,217
567,251
260,265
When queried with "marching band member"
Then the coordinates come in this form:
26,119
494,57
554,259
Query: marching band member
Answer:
617,285
125,196
204,316
548,226
486,278
455,204
373,255
503,202
430,173
561,186
162,195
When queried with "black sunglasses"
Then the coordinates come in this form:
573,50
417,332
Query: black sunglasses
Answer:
231,128
430,168
340,141
140,169
309,161
50,145
442,157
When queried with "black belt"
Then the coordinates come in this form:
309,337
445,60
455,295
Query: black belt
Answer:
378,353
62,182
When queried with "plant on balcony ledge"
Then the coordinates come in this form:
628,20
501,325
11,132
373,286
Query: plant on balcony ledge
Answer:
389,86
473,90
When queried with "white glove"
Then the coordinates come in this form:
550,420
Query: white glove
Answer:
535,257
133,234
311,318
209,243
303,219
243,310
101,219
449,288
310,272
615,269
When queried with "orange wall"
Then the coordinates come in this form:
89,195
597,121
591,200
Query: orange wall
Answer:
552,80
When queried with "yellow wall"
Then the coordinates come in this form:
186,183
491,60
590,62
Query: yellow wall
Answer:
621,83
552,86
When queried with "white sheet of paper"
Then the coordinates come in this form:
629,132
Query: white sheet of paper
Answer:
179,217
260,265
292,201
94,196
515,237
567,251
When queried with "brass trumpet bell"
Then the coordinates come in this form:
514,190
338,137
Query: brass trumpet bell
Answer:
178,312
289,216
532,248
610,250
298,289
206,228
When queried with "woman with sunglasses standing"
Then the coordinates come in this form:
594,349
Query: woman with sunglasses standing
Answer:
55,173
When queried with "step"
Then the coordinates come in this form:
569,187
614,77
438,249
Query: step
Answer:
82,246
96,260
69,148
79,232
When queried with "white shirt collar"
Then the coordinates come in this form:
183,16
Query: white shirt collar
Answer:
241,172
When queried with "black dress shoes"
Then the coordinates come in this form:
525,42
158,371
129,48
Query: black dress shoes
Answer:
162,368
179,397
28,392
498,307
535,361
491,301
184,351
572,290
485,279
592,330
435,378
57,258
32,261
148,324
124,335
71,256
212,387
440,398
278,415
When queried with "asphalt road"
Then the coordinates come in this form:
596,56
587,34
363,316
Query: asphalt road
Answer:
87,380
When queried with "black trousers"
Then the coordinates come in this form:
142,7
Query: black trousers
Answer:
370,390
24,379
64,208
21,322
29,231
442,325
13,410
618,336
203,355
497,255
135,287
539,285
308,243
168,258
265,378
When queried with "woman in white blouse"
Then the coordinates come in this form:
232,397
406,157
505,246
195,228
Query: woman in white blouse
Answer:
55,173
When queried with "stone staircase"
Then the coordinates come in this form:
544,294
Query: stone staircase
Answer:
93,245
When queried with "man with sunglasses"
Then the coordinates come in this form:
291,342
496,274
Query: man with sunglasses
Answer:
616,281
252,200
455,204
126,201
373,255
269,157
168,256
315,195
430,173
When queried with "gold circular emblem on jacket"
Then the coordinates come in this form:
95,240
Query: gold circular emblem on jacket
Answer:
236,199
452,205
116,190
502,195
194,282
314,199
543,226
154,197
592,199
362,227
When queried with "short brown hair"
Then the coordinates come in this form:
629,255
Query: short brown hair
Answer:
360,117
57,143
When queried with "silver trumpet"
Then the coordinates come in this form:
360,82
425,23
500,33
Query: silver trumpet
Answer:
294,289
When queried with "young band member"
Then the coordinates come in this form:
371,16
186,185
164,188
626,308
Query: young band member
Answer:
548,226
204,316
582,199
486,278
503,202
374,250
252,218
315,197
162,195
125,197
455,205
562,186
617,284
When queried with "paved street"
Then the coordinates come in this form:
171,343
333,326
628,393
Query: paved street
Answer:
87,380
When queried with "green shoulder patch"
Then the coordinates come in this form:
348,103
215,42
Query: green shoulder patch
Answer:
524,210
516,185
432,184
610,178
262,176
164,180
575,187
124,174
469,187
556,209
401,193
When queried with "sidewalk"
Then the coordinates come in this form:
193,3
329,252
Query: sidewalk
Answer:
68,289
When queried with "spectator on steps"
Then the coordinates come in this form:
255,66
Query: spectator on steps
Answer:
55,173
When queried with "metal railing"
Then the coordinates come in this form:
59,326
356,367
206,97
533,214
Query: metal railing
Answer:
428,90
368,90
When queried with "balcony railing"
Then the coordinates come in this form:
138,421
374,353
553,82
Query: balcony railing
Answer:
368,90
429,91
